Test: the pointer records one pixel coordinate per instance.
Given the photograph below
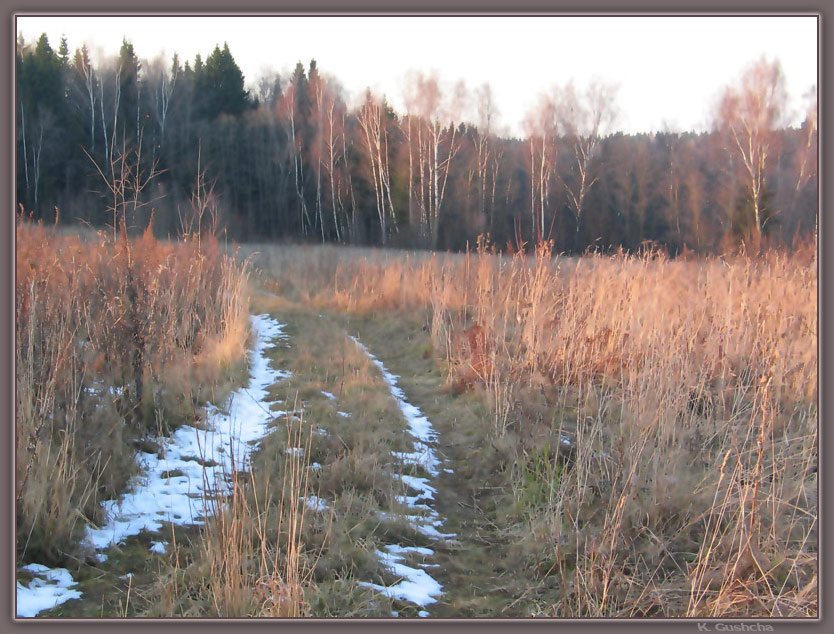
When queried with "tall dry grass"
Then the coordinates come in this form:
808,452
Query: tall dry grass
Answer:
250,558
114,339
670,405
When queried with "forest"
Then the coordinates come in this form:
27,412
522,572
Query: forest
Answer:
291,160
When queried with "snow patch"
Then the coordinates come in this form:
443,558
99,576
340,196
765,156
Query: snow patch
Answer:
416,584
49,588
203,458
315,503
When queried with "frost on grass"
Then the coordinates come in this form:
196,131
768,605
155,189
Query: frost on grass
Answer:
49,588
203,459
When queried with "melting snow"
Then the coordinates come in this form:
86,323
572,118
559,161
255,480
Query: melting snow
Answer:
49,588
316,503
202,461
332,397
416,585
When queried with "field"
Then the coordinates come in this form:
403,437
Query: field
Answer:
609,436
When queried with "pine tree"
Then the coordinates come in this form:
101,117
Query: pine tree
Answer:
221,81
128,113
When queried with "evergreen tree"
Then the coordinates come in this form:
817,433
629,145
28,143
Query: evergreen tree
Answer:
221,82
41,103
63,51
128,127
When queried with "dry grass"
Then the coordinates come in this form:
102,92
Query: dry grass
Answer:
687,390
250,559
114,340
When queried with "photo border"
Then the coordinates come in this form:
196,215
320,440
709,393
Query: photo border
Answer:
379,7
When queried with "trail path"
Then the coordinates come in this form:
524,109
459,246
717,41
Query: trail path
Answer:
202,459
417,585
474,560
448,571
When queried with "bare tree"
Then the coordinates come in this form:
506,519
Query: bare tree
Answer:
334,109
162,84
371,119
269,88
85,69
316,87
287,113
585,120
487,159
409,130
430,125
748,115
808,150
541,127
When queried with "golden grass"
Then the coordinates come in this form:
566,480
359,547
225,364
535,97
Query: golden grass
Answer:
113,341
687,390
250,558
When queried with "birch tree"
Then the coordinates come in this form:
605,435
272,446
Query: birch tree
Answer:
371,119
161,85
585,119
433,141
315,85
335,154
749,115
487,158
84,69
808,150
541,127
292,104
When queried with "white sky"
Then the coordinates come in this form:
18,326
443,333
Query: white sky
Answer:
670,69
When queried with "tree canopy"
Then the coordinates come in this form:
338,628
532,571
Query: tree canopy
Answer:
294,161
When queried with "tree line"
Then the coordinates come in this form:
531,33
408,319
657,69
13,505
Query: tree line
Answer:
117,142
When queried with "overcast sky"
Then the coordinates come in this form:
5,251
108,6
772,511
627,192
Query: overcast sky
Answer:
669,69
